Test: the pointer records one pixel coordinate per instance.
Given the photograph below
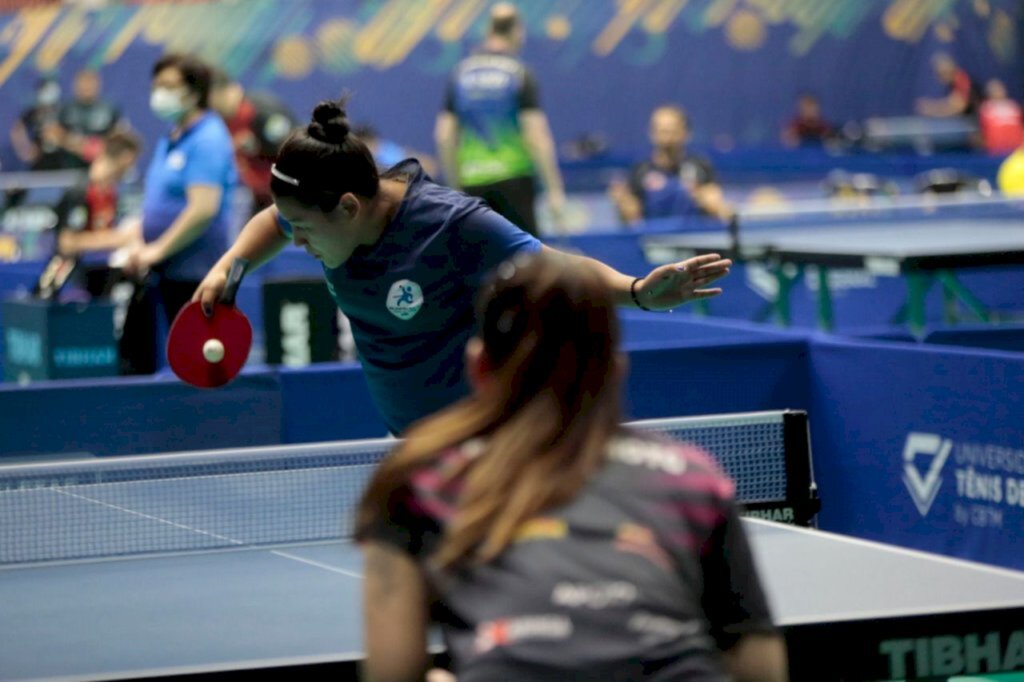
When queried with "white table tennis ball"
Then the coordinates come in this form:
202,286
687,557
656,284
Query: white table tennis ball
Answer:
213,351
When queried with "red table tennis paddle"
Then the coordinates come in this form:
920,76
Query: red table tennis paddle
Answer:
207,352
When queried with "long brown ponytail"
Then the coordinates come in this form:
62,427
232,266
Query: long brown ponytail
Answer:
550,333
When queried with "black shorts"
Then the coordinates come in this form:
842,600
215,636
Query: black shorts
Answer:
514,198
140,335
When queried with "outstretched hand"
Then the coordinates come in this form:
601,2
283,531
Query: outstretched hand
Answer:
671,285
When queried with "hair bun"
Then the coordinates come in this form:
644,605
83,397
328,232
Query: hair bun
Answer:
329,124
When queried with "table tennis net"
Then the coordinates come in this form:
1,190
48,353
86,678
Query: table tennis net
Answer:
123,506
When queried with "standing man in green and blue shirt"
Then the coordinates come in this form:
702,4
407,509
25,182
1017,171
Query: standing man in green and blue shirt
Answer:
492,135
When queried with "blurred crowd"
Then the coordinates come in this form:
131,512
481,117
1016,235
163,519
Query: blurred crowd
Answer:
492,140
68,131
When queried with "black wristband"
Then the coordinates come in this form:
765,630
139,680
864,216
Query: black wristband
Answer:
636,299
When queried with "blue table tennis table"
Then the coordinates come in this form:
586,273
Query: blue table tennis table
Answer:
923,249
868,610
179,585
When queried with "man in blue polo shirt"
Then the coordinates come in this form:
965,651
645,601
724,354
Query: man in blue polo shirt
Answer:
186,210
672,182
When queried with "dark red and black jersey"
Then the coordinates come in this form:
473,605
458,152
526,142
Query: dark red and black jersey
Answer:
257,130
88,207
647,566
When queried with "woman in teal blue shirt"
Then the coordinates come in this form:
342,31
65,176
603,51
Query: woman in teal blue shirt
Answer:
403,258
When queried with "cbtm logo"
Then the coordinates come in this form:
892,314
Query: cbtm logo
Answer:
405,298
935,449
987,478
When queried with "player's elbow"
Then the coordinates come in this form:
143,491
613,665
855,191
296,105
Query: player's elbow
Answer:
957,105
445,131
203,206
711,200
626,205
538,141
758,658
203,215
536,131
394,668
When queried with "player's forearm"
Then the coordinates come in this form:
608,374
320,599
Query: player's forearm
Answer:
84,242
449,165
940,109
936,108
25,149
258,242
186,228
757,658
712,201
628,207
448,157
618,283
73,142
446,139
542,151
395,626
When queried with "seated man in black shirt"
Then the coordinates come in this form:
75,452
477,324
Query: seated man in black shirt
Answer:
36,135
88,118
671,182
549,543
963,93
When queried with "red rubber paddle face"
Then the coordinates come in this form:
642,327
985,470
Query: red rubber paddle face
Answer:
190,332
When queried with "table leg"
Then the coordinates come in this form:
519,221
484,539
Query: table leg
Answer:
950,309
785,278
918,284
955,291
825,317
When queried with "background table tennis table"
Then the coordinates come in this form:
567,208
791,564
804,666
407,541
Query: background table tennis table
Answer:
851,610
923,251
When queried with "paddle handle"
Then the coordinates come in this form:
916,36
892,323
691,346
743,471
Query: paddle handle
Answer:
235,274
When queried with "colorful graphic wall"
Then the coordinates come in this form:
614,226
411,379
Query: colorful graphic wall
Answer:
736,65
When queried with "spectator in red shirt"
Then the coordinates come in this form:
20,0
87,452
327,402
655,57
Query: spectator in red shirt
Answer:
87,217
87,214
963,95
1000,120
258,123
807,127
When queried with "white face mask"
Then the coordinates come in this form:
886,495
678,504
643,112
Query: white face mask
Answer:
167,104
49,94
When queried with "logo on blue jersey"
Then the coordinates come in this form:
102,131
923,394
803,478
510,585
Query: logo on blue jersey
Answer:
405,299
176,160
